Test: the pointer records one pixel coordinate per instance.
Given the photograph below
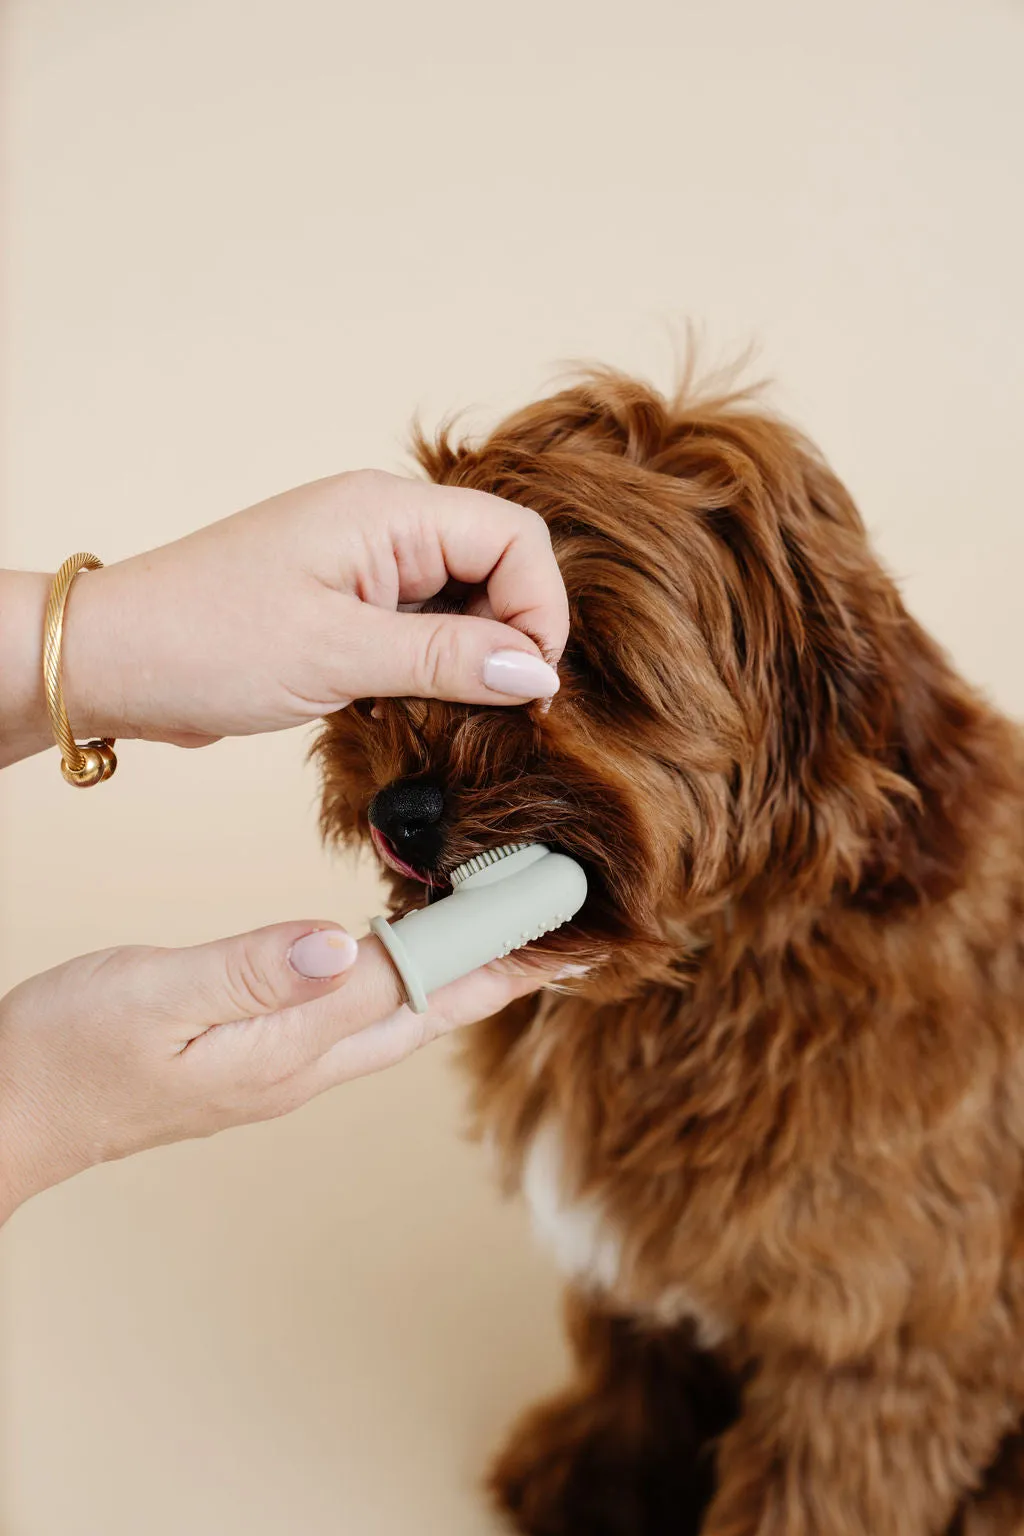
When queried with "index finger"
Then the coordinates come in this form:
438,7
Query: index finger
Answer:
390,1040
487,541
367,1022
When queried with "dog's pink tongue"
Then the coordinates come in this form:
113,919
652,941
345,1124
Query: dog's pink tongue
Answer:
391,859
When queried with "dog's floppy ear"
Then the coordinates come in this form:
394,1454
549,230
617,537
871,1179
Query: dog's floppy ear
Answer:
940,746
875,757
878,757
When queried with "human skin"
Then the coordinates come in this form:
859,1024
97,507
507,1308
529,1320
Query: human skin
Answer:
289,610
269,619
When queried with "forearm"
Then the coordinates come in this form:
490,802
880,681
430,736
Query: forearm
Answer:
24,728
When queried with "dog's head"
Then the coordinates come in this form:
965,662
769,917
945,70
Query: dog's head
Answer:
746,712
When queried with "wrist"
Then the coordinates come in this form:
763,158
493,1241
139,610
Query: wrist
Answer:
87,663
24,723
39,1146
31,1162
21,1177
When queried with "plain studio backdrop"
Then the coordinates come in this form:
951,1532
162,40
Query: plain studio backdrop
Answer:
245,242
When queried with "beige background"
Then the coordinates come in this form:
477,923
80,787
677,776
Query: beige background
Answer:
245,241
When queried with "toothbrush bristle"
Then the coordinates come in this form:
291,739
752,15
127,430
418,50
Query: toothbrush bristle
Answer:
480,861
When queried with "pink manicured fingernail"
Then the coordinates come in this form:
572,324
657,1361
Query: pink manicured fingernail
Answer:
323,954
520,675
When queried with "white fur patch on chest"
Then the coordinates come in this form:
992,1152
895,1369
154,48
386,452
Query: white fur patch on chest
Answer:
575,1231
578,1232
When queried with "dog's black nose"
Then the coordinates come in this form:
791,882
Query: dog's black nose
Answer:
408,813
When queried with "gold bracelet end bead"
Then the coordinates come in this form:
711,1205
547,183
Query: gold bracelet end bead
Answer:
98,763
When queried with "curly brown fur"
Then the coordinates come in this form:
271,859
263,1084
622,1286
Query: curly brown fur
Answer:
778,1129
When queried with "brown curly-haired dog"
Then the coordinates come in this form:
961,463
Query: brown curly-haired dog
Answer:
775,1135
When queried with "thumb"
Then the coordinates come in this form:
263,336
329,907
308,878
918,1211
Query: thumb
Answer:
449,656
247,975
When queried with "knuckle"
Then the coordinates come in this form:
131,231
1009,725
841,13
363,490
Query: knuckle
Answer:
535,522
281,1067
249,988
529,522
437,662
371,483
121,963
428,1028
275,1080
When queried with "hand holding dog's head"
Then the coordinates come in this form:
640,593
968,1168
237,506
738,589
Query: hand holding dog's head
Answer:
746,715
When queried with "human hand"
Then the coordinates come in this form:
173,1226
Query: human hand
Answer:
131,1048
289,610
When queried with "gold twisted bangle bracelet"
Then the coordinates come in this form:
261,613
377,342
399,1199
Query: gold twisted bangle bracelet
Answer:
91,764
